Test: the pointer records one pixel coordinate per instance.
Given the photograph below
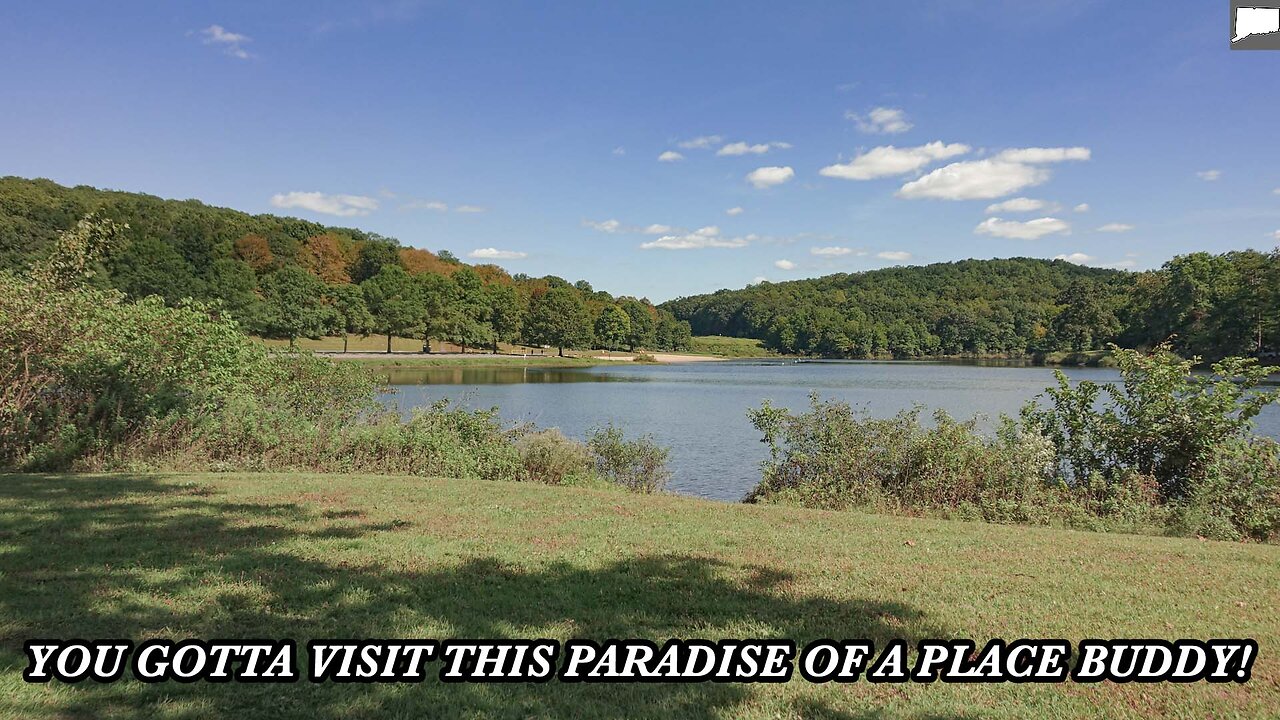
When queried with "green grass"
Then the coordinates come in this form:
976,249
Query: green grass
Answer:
302,556
728,347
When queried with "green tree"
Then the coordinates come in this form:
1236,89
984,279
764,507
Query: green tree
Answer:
672,334
395,302
644,325
613,327
233,282
1084,322
468,317
294,305
150,266
351,312
440,306
506,313
559,318
374,256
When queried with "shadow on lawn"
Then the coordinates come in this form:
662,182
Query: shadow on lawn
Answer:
101,557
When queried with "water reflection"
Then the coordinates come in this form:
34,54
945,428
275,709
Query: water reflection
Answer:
493,375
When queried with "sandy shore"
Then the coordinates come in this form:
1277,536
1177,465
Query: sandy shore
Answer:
670,358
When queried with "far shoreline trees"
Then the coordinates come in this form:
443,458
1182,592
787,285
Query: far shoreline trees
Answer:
288,278
1200,304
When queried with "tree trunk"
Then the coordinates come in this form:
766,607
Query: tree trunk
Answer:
561,352
344,342
388,343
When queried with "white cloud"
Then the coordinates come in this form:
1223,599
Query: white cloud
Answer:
734,211
1276,191
469,209
890,160
1030,230
1209,175
894,255
1276,235
435,205
231,43
833,251
619,150
496,254
670,156
1115,228
615,226
1006,173
1121,265
1077,258
766,177
881,121
741,148
340,205
784,264
608,226
759,279
1020,204
707,237
1082,208
703,142
1036,156
975,180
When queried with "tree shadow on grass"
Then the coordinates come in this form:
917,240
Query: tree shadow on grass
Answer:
133,557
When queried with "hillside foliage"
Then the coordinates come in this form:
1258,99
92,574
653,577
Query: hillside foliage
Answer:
282,277
1201,304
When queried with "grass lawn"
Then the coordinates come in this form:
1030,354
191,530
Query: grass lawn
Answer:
301,556
728,347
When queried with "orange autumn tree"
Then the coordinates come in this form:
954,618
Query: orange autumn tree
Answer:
326,258
256,252
417,261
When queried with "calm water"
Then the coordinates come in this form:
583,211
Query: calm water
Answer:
699,409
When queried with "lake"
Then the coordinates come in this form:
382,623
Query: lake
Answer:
699,409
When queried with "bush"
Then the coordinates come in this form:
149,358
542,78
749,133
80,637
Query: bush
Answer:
549,457
1165,451
1162,420
1239,497
832,457
639,465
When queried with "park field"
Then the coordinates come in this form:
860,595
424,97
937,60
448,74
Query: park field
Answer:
323,556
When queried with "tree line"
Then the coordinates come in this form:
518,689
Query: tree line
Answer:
288,278
1201,304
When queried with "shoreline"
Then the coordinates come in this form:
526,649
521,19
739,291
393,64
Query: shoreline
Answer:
480,359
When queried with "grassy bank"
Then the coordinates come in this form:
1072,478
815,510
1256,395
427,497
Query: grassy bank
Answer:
230,555
729,347
478,361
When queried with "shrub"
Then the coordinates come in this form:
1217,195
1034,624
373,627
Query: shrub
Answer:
549,457
833,457
1239,497
1162,420
639,465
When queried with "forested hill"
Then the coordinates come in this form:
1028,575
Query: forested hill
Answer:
1209,305
285,277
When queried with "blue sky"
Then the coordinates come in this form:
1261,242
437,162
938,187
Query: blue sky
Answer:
535,129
